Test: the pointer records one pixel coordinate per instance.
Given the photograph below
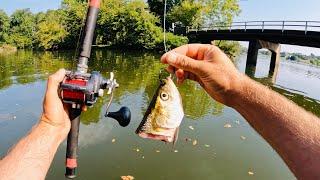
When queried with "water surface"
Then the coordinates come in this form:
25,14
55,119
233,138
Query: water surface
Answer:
221,153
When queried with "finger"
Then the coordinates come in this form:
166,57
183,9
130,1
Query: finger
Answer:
183,62
170,69
180,74
195,51
54,81
84,108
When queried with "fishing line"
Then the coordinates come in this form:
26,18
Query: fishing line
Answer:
172,75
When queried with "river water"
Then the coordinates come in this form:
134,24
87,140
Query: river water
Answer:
221,153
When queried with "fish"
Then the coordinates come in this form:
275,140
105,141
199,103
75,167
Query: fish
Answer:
164,115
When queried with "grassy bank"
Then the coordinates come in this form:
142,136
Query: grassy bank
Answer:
7,49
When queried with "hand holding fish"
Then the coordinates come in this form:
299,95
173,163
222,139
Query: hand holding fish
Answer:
206,64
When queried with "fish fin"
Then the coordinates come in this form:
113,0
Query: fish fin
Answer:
175,137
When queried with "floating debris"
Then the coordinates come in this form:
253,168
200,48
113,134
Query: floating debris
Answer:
243,137
237,121
175,151
188,139
191,127
137,150
157,151
227,125
195,142
128,177
207,145
14,117
250,173
113,140
142,157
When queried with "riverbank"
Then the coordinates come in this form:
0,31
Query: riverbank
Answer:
7,49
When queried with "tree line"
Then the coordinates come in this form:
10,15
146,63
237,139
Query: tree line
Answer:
123,23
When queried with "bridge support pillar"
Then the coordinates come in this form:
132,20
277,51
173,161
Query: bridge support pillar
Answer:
252,57
274,63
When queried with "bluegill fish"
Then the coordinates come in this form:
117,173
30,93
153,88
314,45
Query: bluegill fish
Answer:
164,114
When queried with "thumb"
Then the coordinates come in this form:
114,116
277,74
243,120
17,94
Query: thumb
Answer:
183,62
54,81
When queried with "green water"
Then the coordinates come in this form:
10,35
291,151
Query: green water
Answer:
22,85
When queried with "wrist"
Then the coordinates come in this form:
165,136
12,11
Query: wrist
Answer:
57,132
238,87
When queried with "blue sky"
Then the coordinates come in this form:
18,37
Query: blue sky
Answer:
251,10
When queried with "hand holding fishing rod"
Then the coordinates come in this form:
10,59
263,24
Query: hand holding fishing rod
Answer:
80,88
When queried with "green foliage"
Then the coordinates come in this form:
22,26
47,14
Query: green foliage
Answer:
231,48
73,14
4,26
195,13
21,31
121,23
189,13
157,7
172,41
131,26
50,31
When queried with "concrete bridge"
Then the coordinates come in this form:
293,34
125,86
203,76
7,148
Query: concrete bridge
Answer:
261,34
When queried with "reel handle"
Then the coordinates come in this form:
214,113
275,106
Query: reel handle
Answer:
123,116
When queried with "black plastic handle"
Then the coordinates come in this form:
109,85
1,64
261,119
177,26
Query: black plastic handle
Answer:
123,116
72,144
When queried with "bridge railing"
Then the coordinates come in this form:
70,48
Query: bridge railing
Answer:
263,25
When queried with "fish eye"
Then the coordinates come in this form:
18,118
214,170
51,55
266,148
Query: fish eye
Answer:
164,96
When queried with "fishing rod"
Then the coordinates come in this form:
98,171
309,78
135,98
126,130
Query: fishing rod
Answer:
80,88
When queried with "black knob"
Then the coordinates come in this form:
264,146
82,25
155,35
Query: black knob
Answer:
123,116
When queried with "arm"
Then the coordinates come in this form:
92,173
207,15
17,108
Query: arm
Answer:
293,132
32,156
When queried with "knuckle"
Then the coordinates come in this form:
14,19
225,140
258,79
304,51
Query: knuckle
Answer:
183,62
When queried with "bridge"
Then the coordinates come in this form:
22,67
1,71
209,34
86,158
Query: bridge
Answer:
261,34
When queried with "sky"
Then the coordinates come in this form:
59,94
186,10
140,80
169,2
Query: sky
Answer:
251,10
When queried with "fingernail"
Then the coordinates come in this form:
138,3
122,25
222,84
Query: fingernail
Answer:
172,57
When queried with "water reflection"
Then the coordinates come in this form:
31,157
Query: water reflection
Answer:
22,84
134,72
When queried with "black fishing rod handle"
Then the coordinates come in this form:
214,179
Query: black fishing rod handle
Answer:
72,143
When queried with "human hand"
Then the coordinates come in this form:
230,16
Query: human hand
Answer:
55,113
208,65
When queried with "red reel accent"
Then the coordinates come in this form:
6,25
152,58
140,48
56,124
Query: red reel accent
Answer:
73,95
95,3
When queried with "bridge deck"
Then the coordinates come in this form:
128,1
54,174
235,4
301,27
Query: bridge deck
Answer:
293,37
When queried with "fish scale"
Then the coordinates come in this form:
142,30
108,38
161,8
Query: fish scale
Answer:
164,114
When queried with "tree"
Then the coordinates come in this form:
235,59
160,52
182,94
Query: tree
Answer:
157,7
220,12
21,29
73,15
133,26
196,13
4,26
50,30
189,13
